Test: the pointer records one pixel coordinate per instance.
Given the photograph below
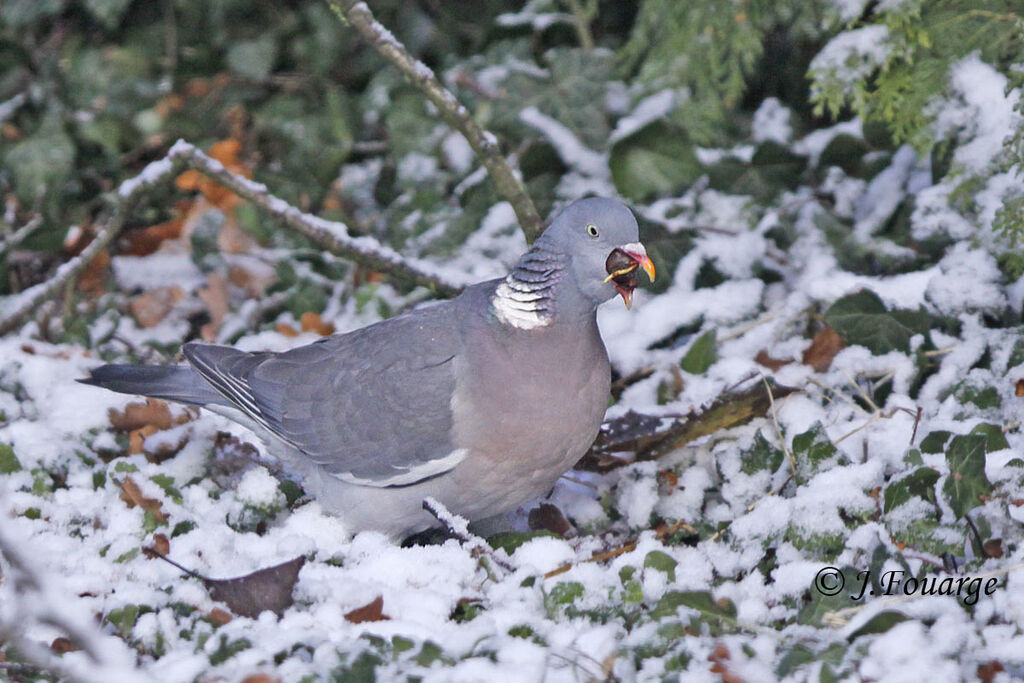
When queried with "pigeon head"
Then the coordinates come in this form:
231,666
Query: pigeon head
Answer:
600,239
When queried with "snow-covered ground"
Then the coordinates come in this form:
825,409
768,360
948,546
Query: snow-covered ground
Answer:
902,452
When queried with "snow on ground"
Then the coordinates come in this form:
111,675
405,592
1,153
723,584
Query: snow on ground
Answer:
907,458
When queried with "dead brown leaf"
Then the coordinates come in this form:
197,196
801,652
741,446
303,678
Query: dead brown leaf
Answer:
93,278
824,347
286,330
264,589
152,411
132,496
215,296
261,678
719,659
993,547
149,308
312,322
548,517
161,544
371,611
773,364
61,645
1019,388
220,616
987,672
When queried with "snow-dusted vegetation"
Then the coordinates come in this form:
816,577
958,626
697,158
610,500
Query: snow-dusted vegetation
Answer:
813,467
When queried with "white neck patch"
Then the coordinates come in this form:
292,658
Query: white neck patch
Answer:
519,308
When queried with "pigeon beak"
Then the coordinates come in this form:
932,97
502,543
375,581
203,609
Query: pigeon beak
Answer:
622,265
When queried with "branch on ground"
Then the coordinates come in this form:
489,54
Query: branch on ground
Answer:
649,437
329,235
358,15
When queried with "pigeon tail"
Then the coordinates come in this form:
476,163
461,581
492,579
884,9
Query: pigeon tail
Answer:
180,384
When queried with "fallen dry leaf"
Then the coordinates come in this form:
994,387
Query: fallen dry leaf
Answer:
1019,388
264,589
215,296
549,518
261,678
987,672
371,611
152,411
149,308
145,241
773,364
286,330
993,547
312,322
824,347
132,496
719,659
93,278
220,616
61,645
161,544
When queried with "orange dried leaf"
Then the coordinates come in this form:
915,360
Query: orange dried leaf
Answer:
161,545
773,364
132,496
261,678
286,330
152,411
61,645
220,616
824,347
149,308
1019,388
312,322
371,611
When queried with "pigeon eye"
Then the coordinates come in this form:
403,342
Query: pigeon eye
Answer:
592,230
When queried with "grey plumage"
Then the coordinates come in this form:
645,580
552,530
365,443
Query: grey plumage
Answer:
481,402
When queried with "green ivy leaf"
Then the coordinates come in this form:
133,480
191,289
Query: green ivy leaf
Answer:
658,159
812,449
761,456
8,461
862,319
702,354
920,483
254,58
661,561
967,480
702,601
880,623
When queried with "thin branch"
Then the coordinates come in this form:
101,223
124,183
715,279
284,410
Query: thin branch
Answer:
582,17
509,186
18,236
329,235
21,305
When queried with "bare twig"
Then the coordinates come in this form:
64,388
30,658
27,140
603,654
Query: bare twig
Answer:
459,527
626,547
21,305
18,236
778,427
582,16
329,235
509,186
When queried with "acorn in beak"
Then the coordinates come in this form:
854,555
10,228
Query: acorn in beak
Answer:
622,265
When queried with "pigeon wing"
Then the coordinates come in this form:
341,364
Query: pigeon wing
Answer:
372,407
